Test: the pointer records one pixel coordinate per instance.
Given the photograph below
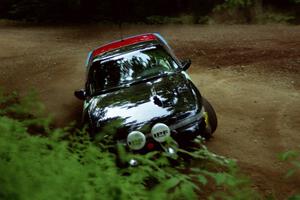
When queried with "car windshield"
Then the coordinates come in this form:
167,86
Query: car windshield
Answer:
130,67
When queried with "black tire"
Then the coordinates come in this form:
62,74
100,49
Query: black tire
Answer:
212,119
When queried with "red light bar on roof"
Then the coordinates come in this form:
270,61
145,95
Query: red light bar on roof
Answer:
123,43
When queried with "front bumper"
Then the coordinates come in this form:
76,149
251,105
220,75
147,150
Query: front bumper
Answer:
190,131
182,132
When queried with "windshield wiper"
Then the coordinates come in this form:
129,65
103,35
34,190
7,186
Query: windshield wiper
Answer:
163,74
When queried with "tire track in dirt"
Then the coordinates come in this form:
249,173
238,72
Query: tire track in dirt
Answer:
288,112
251,110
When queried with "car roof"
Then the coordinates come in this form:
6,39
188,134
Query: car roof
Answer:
123,43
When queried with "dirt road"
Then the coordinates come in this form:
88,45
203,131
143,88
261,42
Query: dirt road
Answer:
251,74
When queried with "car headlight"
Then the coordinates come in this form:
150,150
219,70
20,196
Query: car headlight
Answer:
136,140
160,132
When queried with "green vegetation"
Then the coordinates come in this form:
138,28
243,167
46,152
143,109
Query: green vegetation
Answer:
293,158
40,162
257,11
152,11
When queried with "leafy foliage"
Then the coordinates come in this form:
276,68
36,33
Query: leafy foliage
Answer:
65,164
292,157
154,11
276,18
230,4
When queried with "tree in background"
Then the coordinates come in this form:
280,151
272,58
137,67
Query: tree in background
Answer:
260,11
249,11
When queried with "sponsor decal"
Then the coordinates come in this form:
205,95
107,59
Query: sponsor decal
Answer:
136,140
160,132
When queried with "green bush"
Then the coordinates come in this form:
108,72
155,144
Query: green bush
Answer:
273,17
40,162
292,157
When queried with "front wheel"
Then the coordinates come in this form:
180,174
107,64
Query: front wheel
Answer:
212,121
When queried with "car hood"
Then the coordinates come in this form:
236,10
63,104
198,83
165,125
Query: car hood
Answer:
138,107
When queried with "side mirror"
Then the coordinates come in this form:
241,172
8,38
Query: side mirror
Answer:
186,64
80,94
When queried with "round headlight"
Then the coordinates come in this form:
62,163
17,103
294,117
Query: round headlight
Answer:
136,140
160,132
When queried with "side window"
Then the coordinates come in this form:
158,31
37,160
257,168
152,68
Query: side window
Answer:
89,86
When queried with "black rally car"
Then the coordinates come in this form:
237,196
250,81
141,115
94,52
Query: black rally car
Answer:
139,87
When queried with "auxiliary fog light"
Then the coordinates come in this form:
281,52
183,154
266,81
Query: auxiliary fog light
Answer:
160,132
136,140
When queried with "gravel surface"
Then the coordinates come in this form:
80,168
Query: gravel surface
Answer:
250,73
